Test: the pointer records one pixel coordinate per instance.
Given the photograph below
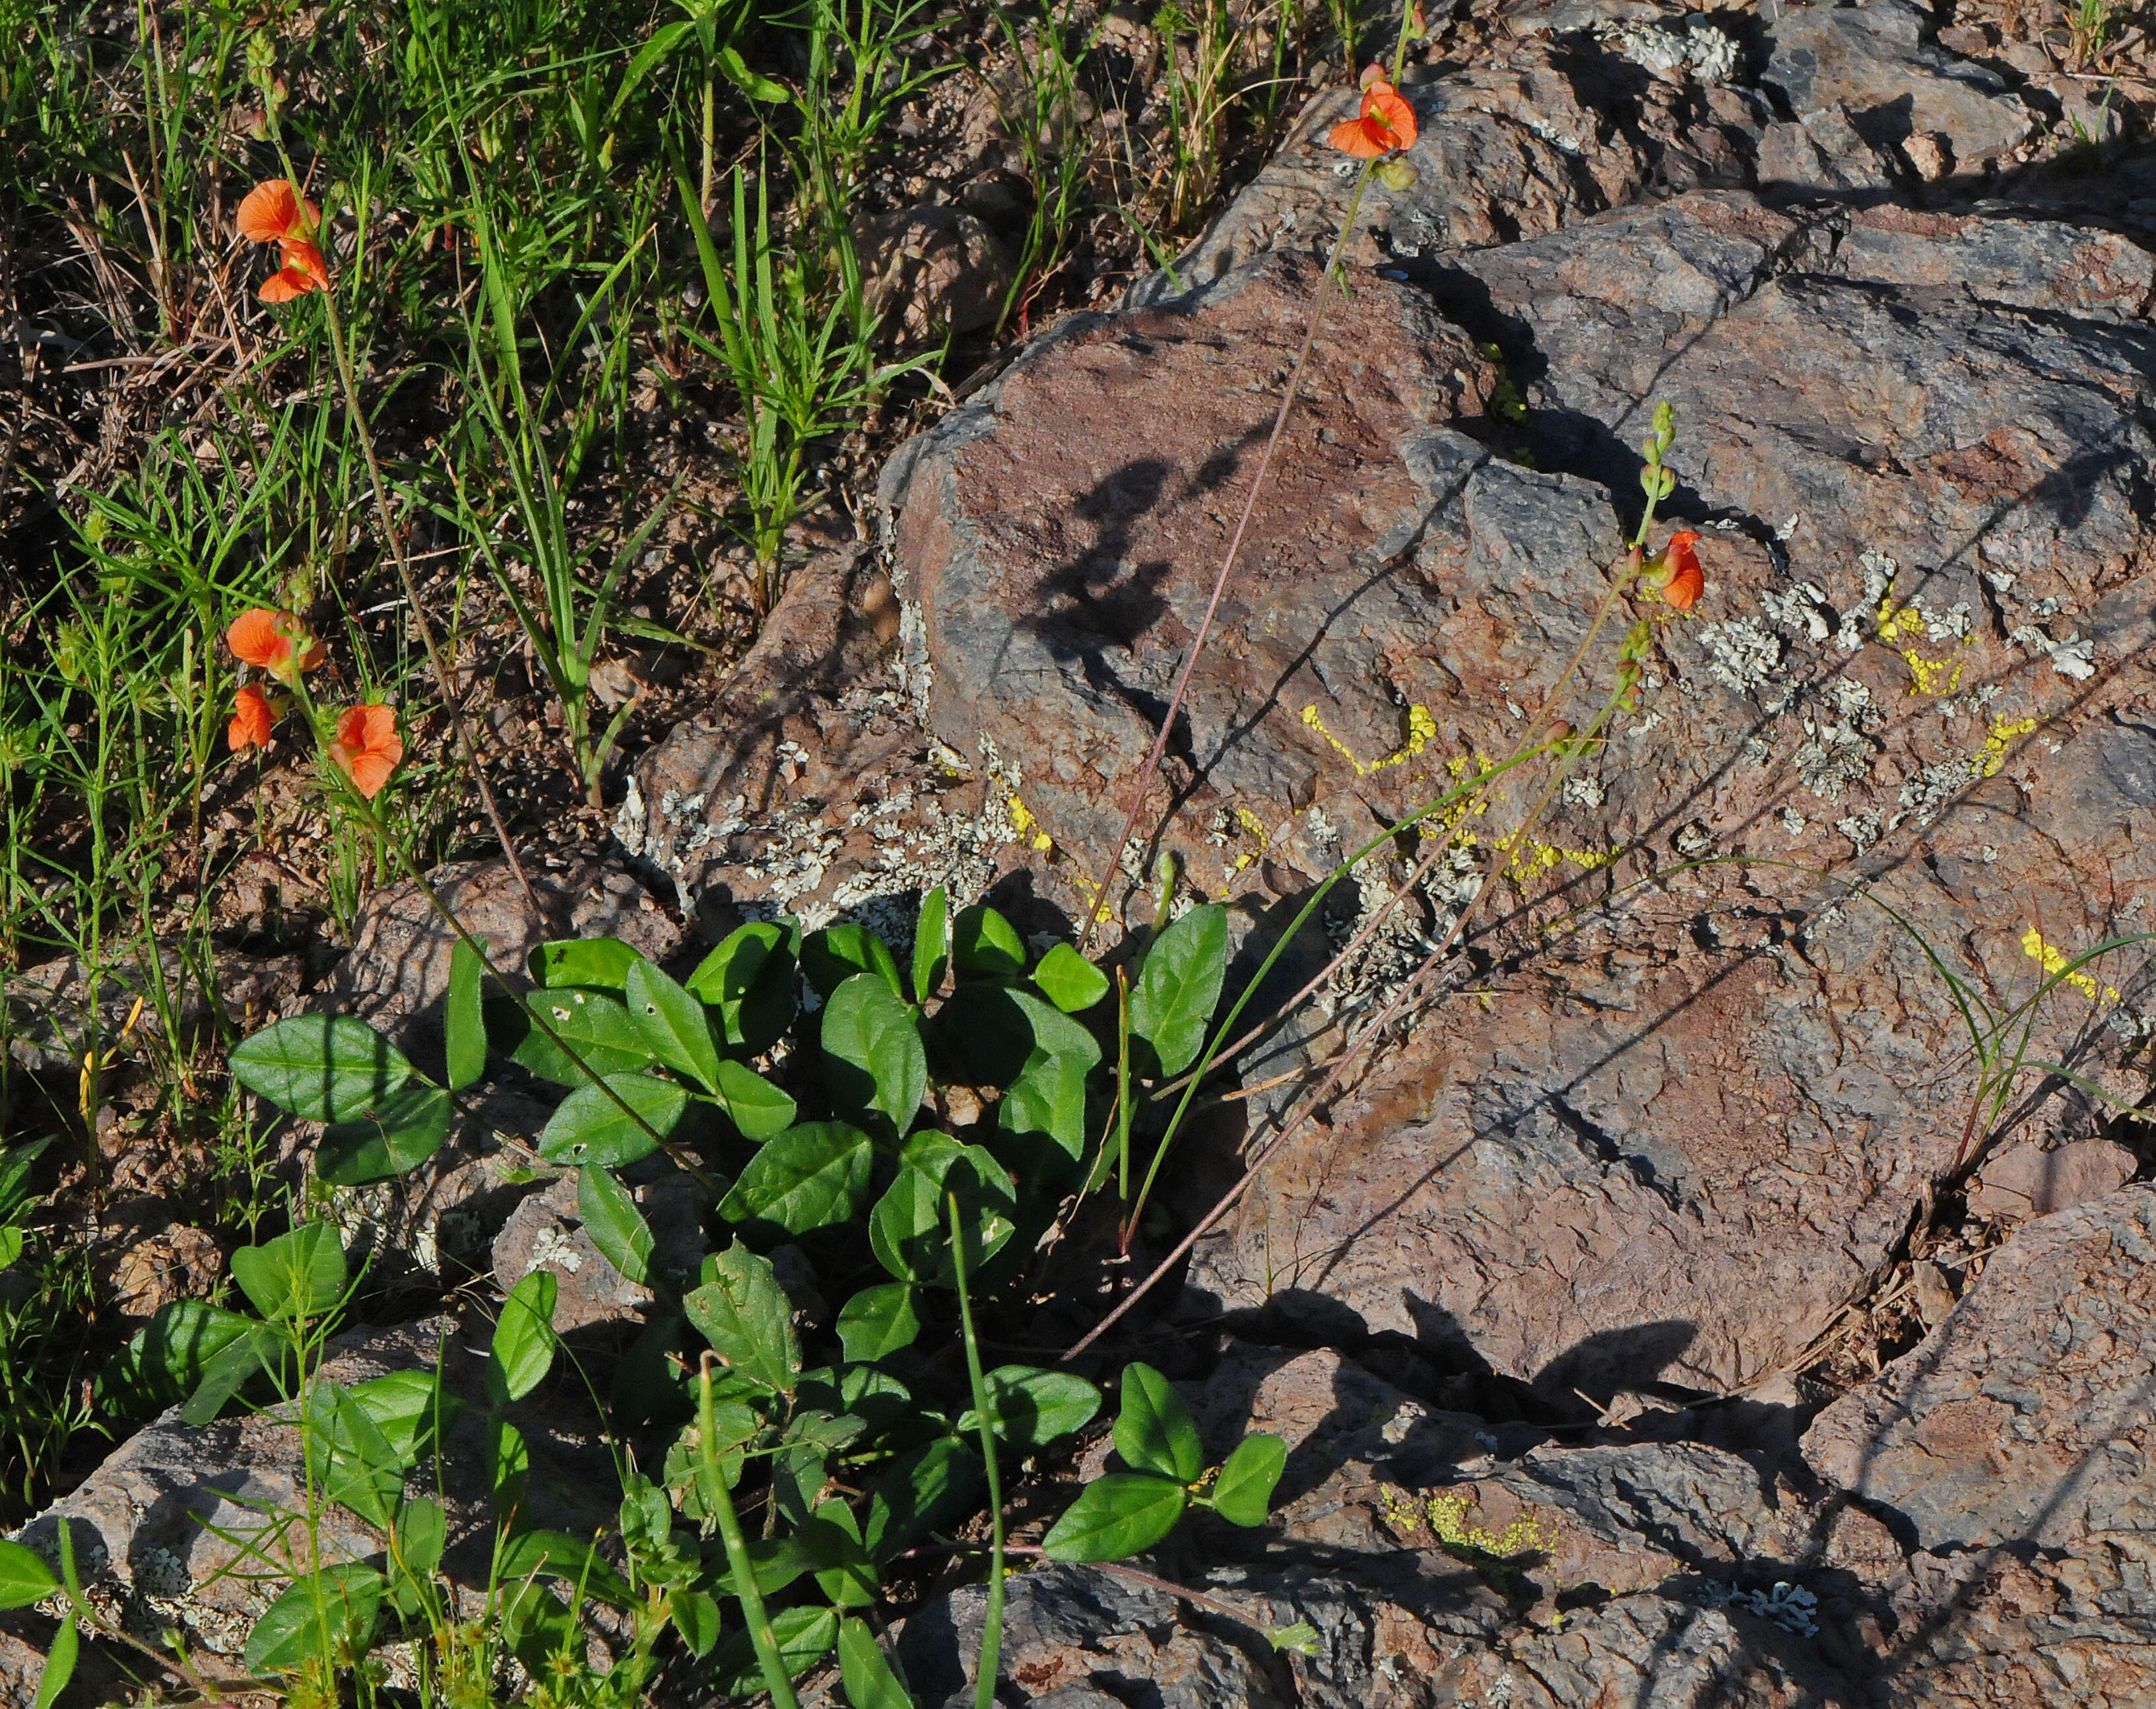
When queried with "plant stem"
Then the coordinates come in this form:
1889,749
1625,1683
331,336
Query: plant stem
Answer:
776,1679
1098,906
357,415
991,1626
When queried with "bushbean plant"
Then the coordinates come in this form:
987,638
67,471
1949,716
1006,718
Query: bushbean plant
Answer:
796,1075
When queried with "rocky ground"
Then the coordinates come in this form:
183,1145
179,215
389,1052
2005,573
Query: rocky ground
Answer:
1628,1346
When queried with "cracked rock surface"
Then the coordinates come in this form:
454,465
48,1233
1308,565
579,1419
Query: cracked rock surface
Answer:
1673,1141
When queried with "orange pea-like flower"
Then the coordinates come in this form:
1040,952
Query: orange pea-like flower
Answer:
274,641
300,270
1386,122
366,749
1677,575
276,213
252,721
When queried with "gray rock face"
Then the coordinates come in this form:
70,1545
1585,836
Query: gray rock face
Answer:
145,1526
399,962
813,788
546,1232
1675,1142
2025,1418
1511,149
1875,62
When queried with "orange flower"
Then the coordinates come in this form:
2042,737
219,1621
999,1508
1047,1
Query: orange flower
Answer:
276,213
268,639
366,749
300,270
252,721
1676,575
1386,122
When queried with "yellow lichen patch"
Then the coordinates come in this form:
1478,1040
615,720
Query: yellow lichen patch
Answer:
2004,735
1496,1555
1251,822
1932,675
1531,854
1029,827
1422,730
2058,965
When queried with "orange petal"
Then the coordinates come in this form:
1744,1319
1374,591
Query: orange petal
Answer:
258,638
371,771
286,284
252,721
303,257
1352,136
270,211
1384,108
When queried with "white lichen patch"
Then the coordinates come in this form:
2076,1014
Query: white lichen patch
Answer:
2073,657
1834,754
1742,653
1701,50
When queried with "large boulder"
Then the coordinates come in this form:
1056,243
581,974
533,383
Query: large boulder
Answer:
1676,1138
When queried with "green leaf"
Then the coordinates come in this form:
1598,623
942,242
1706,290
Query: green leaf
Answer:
749,979
1155,1432
906,1230
258,1348
776,1561
299,1274
1302,1637
985,946
804,1636
877,1321
1032,1408
1115,1516
846,1575
831,957
921,1492
294,1630
616,1226
462,1020
509,1464
24,1578
164,1361
590,1127
422,1534
523,1349
1049,1098
593,1025
870,1682
671,1024
409,1408
930,937
1173,1002
746,1317
807,1178
598,963
1069,981
874,1063
11,1245
554,1554
758,1108
696,1617
1245,1491
321,1068
402,1132
752,84
59,1664
15,1166
350,1461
